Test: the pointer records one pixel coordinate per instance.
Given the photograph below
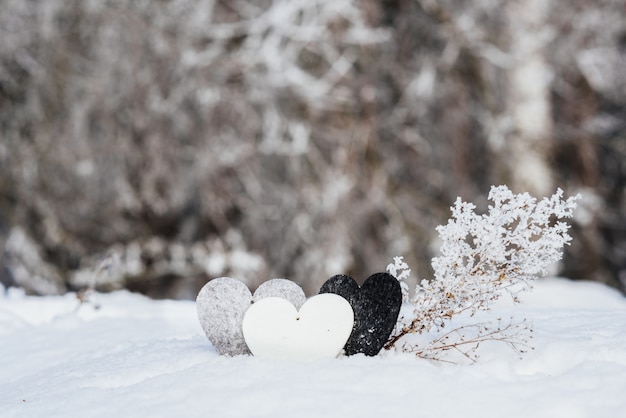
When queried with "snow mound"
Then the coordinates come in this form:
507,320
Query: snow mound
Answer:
142,358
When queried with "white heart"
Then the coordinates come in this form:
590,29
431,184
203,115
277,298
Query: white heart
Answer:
273,328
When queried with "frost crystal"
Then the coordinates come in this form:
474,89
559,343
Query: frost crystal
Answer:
401,271
482,258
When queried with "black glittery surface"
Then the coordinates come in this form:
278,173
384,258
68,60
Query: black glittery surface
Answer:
376,306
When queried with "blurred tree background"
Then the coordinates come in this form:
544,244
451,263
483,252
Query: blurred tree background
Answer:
153,145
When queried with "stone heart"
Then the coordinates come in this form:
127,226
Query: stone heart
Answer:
376,306
222,303
274,328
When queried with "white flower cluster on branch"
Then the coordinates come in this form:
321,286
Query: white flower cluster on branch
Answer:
482,258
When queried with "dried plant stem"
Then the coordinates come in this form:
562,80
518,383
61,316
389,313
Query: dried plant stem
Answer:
466,339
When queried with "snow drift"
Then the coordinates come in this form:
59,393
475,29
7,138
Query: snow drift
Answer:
127,355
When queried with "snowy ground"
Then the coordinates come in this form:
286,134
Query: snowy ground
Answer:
134,357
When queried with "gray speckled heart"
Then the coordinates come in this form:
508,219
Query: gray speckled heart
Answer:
281,288
222,303
376,306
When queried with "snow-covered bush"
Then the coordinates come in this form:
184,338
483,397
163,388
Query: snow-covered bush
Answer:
483,257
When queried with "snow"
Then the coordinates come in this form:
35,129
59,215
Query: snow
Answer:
143,358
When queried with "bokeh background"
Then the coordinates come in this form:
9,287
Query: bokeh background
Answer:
154,145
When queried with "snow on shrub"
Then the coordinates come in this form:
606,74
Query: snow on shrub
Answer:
482,258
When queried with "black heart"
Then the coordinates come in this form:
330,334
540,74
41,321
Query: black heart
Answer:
376,306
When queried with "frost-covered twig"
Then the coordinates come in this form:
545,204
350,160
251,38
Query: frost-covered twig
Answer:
401,271
466,339
482,258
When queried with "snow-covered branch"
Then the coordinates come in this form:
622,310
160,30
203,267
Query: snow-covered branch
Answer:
484,257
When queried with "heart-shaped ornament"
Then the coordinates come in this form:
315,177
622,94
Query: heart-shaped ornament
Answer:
376,306
222,303
274,328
